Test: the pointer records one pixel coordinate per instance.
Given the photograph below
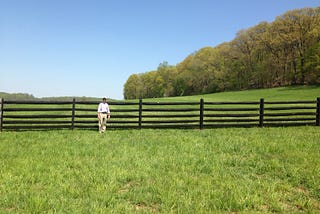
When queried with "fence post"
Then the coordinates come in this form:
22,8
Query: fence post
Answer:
73,113
1,113
201,113
318,112
140,113
261,113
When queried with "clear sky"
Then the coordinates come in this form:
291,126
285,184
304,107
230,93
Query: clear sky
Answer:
91,47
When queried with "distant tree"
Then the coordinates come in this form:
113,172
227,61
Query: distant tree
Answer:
312,64
168,74
17,96
298,30
184,82
133,88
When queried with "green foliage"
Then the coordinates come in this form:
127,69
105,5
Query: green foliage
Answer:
313,64
257,170
281,53
158,83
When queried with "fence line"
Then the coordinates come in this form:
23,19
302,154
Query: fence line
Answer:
16,115
1,113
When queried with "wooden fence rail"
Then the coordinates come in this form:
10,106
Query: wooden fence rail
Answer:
22,115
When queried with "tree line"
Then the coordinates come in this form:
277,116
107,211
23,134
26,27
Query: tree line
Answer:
16,96
281,53
25,96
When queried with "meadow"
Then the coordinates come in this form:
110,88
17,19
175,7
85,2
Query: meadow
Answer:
262,170
224,170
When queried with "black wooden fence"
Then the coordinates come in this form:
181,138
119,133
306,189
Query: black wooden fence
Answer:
21,115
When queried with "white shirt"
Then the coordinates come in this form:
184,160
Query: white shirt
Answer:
103,107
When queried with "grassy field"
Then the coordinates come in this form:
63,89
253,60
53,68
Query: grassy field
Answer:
263,170
234,170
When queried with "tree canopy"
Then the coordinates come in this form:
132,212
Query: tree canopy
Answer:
281,53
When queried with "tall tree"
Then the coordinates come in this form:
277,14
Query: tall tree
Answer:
133,88
298,30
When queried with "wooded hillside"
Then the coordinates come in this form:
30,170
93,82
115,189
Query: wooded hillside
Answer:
281,53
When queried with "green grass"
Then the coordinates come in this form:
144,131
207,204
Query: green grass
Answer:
252,170
272,94
256,170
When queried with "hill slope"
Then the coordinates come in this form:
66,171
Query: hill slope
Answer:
272,94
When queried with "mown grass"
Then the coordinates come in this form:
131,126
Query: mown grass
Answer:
262,170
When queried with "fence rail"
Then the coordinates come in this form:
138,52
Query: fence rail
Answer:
73,114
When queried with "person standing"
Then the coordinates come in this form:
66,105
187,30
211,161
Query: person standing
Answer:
103,114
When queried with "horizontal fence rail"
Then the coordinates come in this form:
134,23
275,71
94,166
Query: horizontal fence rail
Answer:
73,114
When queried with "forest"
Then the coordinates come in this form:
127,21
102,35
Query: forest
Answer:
283,52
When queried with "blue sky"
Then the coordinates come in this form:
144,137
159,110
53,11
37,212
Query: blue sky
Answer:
91,47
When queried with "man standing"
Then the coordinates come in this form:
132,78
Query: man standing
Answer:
103,114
